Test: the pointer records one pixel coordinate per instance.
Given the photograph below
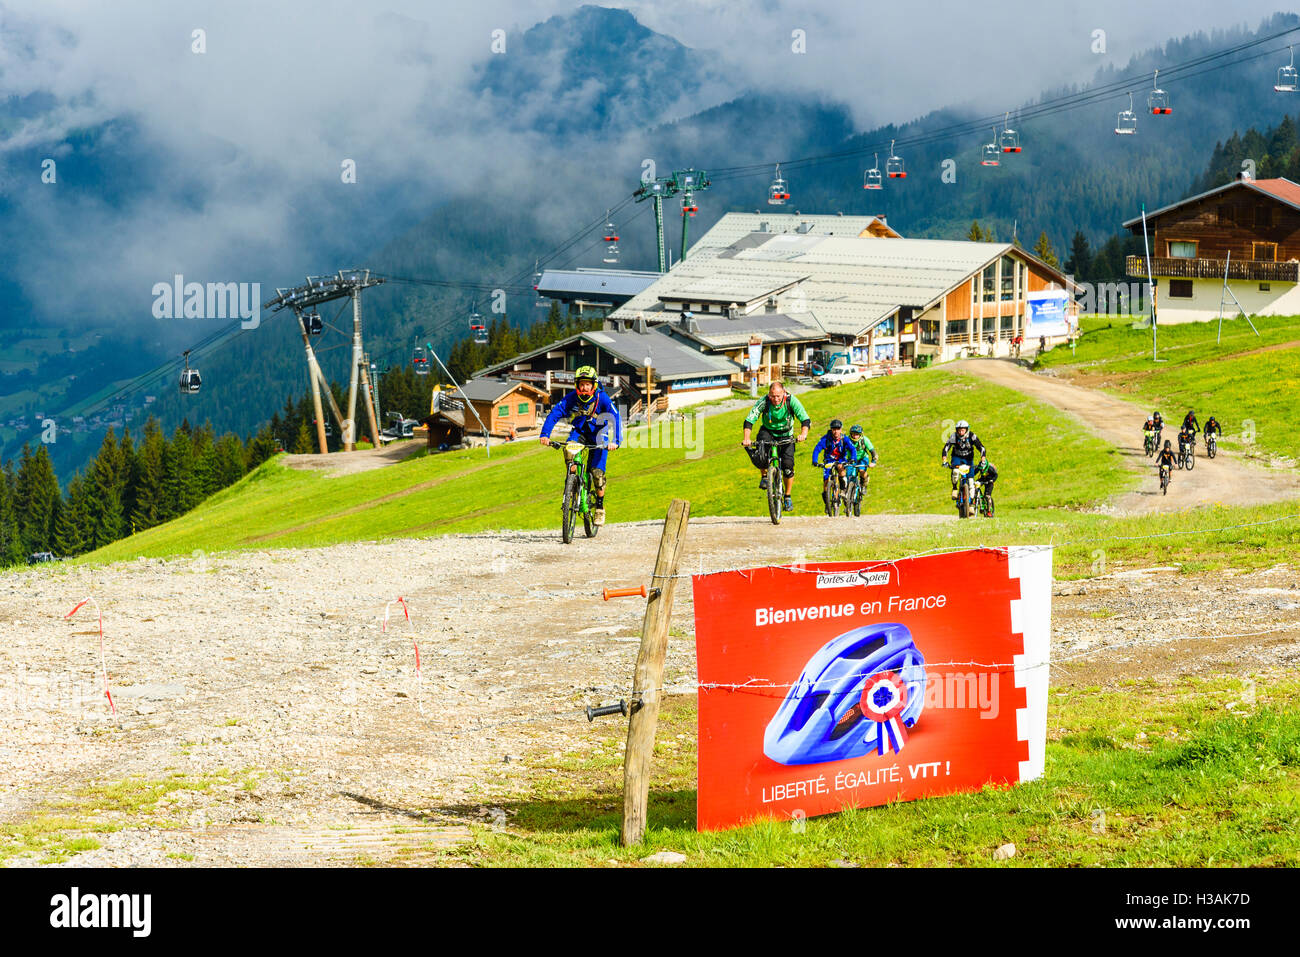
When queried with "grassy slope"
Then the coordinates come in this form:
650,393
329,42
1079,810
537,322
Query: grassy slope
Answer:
1149,775
1253,395
1044,460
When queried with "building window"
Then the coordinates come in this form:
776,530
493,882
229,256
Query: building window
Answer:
1264,287
1180,289
1008,278
504,412
886,328
1182,249
1227,215
989,277
1263,217
1264,252
523,408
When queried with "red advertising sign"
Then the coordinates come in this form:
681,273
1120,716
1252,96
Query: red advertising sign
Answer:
836,685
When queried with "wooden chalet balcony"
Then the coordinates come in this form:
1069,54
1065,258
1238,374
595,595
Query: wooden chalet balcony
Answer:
1213,269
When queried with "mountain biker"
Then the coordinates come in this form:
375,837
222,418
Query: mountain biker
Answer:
591,416
1212,427
1166,459
778,411
865,450
1189,422
986,475
1149,431
837,451
1186,439
963,443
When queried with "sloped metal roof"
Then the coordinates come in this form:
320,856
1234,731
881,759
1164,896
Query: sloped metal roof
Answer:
486,389
851,283
718,333
733,226
593,283
672,358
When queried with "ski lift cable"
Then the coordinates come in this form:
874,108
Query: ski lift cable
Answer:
1181,71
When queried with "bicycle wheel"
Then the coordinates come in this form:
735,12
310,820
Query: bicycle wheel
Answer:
857,501
1211,448
588,520
1191,459
569,507
775,493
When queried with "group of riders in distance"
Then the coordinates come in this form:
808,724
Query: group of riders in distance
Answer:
1185,457
596,430
844,459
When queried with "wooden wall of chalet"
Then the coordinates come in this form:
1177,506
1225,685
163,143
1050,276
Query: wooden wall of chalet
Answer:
1233,220
957,305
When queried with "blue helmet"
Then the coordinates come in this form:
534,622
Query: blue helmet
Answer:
821,718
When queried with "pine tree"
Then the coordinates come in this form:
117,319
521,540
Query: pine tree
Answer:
103,522
37,493
11,546
148,509
1080,257
975,234
1044,251
65,534
229,460
303,445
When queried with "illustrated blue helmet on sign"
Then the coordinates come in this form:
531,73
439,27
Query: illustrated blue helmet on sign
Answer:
821,718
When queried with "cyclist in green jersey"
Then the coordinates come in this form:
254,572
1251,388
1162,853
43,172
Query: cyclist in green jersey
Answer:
865,450
777,413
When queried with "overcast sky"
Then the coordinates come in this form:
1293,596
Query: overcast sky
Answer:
253,128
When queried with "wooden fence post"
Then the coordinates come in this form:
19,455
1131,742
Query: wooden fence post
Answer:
648,682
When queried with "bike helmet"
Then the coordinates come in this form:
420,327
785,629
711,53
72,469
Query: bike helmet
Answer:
821,718
584,372
963,424
836,424
856,430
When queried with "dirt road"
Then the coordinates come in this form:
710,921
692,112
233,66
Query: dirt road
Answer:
1224,480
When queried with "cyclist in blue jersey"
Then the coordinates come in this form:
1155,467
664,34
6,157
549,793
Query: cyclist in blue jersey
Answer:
593,421
837,450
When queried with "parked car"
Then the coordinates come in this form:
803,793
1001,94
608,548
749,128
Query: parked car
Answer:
843,373
37,558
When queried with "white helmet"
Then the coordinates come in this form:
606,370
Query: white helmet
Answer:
963,424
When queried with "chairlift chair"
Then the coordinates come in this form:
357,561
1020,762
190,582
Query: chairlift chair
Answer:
991,151
872,179
1127,123
1288,80
420,361
611,240
1158,99
894,165
1009,139
190,378
689,206
778,192
477,326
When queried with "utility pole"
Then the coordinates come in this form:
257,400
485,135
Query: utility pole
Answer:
1151,282
487,436
313,376
686,182
370,405
321,289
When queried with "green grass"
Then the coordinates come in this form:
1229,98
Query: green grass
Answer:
1255,397
1171,779
1045,459
1086,545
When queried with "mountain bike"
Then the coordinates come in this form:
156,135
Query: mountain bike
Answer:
965,491
1164,480
578,493
1211,444
837,489
1191,454
983,501
853,502
770,452
1149,442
